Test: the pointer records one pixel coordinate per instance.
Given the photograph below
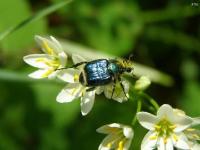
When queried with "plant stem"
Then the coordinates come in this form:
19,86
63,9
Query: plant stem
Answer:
151,100
139,106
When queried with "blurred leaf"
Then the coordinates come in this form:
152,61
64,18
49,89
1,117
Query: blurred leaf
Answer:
190,100
139,70
63,113
10,14
169,36
34,18
189,70
13,76
169,13
53,138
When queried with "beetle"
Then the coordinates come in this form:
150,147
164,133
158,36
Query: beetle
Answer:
102,72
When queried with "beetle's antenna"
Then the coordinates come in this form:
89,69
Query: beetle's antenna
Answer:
61,68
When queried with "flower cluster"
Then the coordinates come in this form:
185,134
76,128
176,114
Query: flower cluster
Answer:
170,128
53,64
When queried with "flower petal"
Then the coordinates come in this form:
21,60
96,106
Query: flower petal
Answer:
62,59
87,102
149,141
196,121
181,122
176,117
56,42
42,73
99,90
127,144
142,83
195,146
161,144
147,120
108,142
128,132
53,75
69,93
69,75
181,142
118,92
77,58
38,60
49,46
109,128
165,111
169,144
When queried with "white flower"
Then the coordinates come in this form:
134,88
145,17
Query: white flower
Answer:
48,63
119,136
192,134
119,93
166,129
75,90
142,83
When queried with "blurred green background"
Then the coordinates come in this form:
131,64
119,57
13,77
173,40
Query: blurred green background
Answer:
162,34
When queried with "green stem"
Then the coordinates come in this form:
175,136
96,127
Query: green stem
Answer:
139,106
151,100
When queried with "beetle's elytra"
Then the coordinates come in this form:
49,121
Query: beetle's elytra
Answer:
102,72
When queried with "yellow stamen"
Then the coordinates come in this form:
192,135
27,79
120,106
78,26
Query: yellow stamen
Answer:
109,145
47,73
190,129
165,140
73,91
51,63
120,145
153,137
175,137
157,127
47,48
40,59
195,136
76,77
172,127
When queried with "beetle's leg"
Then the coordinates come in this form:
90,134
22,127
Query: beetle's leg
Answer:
114,85
90,89
73,66
120,81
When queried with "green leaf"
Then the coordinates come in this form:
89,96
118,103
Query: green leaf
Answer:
10,16
33,18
